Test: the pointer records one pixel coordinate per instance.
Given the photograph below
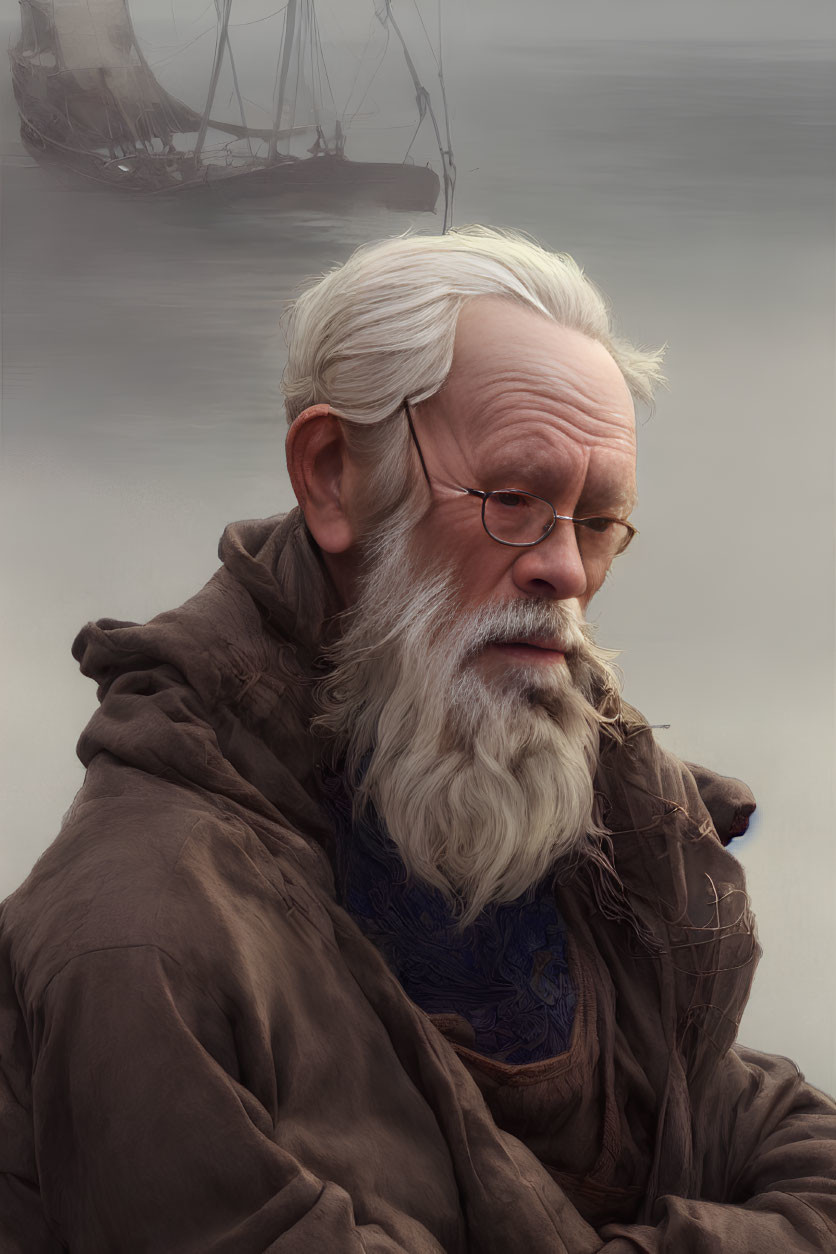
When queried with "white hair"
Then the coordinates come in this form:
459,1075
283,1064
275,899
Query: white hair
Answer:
380,328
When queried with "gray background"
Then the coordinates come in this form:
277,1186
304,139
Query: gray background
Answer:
685,155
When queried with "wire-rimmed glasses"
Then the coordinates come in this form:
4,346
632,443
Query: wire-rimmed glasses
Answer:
520,519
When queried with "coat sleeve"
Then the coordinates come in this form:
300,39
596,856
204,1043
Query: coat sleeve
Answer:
771,1165
146,1140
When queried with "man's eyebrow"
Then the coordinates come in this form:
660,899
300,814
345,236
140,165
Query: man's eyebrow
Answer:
543,480
620,502
606,498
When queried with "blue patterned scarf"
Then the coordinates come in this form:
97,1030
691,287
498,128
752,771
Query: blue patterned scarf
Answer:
507,974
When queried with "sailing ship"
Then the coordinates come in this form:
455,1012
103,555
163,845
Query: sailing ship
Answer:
90,105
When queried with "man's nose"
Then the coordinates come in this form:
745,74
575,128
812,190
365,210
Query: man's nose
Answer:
553,568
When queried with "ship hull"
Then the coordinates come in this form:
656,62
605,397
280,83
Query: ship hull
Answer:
327,178
325,181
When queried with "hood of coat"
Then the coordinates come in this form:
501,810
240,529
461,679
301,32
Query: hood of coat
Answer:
216,695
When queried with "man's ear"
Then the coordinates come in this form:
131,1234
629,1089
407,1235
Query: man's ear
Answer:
317,460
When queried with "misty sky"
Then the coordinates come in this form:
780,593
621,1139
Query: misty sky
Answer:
685,155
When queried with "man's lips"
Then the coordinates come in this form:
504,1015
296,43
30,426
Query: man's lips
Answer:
532,650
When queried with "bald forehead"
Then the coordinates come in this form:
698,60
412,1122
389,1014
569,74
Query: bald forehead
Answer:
510,360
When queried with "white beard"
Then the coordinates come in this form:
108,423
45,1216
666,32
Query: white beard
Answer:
483,785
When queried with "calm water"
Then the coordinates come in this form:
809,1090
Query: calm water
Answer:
694,181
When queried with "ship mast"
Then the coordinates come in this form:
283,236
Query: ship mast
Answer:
422,98
218,4
450,166
223,35
287,51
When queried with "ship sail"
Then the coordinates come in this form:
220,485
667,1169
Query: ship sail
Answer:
100,91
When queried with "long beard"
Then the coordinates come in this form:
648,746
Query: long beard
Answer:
482,784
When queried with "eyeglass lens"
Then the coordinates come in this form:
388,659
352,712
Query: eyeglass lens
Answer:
517,518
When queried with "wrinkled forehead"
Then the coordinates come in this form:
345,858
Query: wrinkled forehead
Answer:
512,363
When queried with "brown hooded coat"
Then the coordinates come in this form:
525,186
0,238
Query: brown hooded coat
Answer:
200,1051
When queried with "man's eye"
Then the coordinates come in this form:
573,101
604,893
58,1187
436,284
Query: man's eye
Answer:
600,525
511,500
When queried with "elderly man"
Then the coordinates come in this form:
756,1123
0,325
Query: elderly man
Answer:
381,922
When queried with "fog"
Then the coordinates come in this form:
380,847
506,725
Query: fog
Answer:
685,156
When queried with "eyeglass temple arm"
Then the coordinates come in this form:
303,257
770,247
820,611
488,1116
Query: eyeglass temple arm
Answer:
415,442
470,491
